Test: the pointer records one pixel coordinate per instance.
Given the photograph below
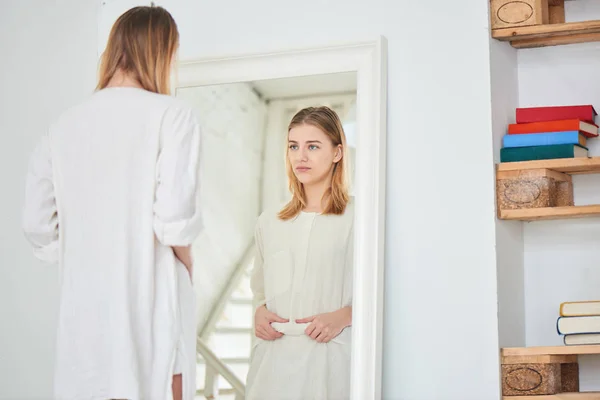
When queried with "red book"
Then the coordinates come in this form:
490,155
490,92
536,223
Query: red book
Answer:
584,128
526,115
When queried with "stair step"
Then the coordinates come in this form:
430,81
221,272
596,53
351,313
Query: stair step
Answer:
233,330
221,397
229,360
231,342
239,370
241,300
200,392
236,314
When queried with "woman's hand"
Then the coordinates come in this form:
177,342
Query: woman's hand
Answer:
262,324
184,254
324,327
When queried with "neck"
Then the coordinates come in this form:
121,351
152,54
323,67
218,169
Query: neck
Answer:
123,79
314,195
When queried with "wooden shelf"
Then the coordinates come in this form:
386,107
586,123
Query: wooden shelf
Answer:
549,34
548,213
570,166
521,364
560,396
550,350
581,165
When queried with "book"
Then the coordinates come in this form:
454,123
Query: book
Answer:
544,139
579,308
585,113
586,129
581,339
511,154
577,325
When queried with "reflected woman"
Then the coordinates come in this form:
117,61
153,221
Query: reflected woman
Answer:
302,276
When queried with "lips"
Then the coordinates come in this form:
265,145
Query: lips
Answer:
302,169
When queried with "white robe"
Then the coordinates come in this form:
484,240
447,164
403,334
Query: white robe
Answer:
111,186
303,267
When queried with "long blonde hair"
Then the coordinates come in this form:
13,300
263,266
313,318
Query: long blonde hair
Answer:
337,195
142,42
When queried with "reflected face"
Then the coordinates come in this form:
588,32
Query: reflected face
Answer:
311,154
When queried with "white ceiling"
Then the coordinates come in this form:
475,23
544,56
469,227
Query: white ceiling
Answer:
306,85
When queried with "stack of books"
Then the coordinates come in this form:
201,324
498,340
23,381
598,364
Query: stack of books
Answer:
579,322
542,133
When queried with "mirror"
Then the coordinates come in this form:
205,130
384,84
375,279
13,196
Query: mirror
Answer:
245,145
243,174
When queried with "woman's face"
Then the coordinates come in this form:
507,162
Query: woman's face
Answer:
311,154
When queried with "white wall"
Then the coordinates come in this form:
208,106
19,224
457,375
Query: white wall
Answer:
561,257
441,331
509,234
48,63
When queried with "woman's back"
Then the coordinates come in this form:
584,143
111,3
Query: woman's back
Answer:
104,156
122,166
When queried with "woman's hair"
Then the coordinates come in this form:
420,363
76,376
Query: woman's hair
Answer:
142,42
337,195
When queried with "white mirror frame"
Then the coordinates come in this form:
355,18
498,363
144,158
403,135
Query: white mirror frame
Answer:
369,60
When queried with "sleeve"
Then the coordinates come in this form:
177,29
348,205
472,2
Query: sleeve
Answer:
257,280
347,293
39,214
177,216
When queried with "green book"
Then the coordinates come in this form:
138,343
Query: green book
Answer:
510,154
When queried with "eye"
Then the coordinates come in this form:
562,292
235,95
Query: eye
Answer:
313,147
293,147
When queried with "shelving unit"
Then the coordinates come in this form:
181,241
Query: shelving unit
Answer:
546,369
508,352
560,396
548,213
523,37
542,190
538,23
569,166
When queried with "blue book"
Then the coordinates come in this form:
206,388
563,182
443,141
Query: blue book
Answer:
544,139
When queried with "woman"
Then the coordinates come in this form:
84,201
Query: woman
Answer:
111,196
302,275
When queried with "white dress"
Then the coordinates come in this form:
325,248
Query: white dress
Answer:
303,267
111,186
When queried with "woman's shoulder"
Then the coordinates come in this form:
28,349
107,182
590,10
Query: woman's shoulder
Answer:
136,102
269,214
269,217
169,104
176,109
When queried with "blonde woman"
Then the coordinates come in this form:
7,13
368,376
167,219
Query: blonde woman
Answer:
302,276
111,196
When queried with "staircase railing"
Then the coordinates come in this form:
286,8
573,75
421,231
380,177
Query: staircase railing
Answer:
224,296
215,368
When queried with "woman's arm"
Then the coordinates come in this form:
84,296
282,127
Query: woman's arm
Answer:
177,219
324,327
184,254
40,215
262,316
347,316
257,278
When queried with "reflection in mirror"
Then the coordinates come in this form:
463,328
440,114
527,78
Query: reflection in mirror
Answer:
245,142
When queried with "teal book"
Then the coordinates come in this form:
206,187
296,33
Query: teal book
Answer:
528,153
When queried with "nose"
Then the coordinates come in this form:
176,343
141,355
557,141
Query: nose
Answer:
303,155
